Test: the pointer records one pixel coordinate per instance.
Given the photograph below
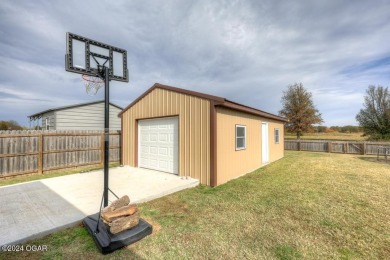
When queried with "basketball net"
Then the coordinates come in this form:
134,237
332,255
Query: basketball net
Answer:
92,84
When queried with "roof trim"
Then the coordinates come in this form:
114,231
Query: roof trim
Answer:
251,110
72,106
217,101
179,90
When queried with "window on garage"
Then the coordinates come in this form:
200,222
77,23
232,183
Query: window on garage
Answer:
277,135
240,137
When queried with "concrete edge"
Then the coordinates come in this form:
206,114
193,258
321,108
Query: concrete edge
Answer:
44,233
192,184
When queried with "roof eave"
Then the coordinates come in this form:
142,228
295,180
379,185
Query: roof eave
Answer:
72,106
253,111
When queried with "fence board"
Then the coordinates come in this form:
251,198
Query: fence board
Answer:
350,147
23,152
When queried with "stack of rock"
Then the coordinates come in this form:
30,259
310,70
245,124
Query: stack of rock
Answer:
120,215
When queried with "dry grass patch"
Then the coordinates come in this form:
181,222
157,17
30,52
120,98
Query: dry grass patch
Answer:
305,206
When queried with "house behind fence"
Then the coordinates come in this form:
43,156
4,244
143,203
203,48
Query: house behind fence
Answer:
27,152
85,116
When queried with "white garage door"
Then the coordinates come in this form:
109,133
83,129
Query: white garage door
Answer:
158,141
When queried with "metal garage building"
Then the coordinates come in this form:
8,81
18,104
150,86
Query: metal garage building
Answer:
198,135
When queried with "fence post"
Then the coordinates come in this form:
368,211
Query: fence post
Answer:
299,145
329,147
364,148
40,153
347,147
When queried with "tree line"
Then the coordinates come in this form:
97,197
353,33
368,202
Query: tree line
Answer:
10,125
347,129
373,118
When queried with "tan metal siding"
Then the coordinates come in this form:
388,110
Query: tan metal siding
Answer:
194,129
231,163
276,151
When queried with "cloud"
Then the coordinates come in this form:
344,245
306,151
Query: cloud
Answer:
246,51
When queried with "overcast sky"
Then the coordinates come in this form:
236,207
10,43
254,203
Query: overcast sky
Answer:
245,51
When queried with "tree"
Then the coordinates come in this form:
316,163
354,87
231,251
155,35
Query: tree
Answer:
374,118
299,109
10,125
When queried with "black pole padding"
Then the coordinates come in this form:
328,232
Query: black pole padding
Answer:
106,132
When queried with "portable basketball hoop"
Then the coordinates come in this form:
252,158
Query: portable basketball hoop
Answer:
99,63
92,84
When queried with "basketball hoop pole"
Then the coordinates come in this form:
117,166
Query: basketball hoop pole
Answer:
89,57
106,132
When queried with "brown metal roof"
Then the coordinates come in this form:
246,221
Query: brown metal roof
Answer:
217,101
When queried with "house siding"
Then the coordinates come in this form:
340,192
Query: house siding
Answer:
232,163
194,129
88,117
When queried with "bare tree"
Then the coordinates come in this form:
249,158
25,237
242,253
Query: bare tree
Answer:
374,118
299,109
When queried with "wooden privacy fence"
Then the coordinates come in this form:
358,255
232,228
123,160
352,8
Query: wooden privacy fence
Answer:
350,147
25,152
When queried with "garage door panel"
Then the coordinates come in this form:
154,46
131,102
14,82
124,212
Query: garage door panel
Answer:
163,164
163,151
159,144
163,137
144,149
153,137
153,162
154,150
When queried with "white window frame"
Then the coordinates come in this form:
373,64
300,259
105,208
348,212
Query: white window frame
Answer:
244,137
47,124
277,141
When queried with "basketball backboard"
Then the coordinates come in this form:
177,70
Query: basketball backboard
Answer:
83,56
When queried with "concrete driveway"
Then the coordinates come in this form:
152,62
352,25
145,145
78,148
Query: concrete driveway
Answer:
34,209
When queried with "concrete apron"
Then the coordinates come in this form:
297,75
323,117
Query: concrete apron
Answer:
34,209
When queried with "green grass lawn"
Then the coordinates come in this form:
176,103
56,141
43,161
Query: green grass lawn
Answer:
305,206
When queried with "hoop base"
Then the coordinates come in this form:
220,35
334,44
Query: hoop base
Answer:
107,242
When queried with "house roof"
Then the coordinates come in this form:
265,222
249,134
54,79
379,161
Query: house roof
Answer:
218,101
71,106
